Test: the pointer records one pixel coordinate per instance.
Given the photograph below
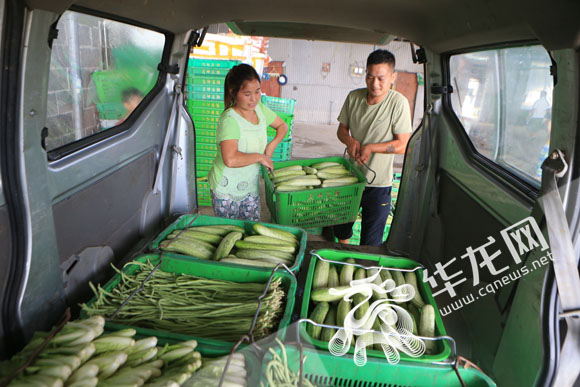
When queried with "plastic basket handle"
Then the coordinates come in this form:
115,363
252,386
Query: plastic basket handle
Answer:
366,166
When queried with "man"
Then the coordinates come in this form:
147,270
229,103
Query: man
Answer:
375,124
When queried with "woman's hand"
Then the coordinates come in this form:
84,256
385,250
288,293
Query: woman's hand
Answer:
267,162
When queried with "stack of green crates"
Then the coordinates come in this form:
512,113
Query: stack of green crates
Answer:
205,96
284,107
356,228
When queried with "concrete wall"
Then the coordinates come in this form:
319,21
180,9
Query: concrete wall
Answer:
319,94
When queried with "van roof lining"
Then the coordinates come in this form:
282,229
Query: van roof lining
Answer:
440,26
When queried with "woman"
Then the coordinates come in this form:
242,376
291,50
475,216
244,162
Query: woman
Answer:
241,135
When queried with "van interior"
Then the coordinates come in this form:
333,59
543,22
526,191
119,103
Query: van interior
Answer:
79,192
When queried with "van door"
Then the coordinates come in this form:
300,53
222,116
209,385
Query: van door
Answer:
97,154
467,204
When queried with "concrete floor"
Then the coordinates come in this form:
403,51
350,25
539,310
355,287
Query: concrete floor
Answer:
313,141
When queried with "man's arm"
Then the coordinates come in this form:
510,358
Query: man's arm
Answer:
396,146
352,145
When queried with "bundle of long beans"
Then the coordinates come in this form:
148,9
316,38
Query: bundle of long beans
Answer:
190,305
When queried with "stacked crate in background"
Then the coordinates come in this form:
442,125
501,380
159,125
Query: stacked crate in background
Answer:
205,103
284,107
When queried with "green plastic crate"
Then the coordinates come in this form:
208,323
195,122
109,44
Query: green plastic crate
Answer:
205,89
204,160
201,173
209,119
192,103
206,96
271,132
204,220
202,168
206,140
376,260
319,207
283,151
205,146
203,194
205,132
207,80
205,111
279,105
324,369
206,153
173,263
111,110
212,63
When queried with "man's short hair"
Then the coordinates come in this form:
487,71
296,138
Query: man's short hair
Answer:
381,56
129,93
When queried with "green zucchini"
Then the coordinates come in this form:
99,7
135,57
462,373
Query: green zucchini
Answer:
187,248
318,315
411,279
190,239
427,327
325,164
347,272
328,333
258,254
260,246
323,294
274,232
266,240
320,279
204,236
309,170
227,244
333,280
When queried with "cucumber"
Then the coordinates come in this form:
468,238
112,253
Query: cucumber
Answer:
398,277
260,246
386,275
320,279
325,164
309,170
204,236
342,310
274,260
290,168
329,175
333,281
260,254
291,188
411,279
377,328
377,281
360,299
330,319
323,294
266,240
347,272
427,327
211,230
360,274
187,248
328,184
227,244
290,177
415,312
274,232
318,315
190,239
415,330
303,181
280,173
230,227
339,169
249,262
342,180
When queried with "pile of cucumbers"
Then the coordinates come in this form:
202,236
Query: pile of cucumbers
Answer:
331,309
80,355
319,175
267,247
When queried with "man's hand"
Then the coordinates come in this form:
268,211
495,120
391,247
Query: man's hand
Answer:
353,148
365,154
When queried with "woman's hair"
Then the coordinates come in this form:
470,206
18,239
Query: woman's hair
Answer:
234,81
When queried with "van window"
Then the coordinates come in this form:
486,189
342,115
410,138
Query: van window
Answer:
99,72
503,98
